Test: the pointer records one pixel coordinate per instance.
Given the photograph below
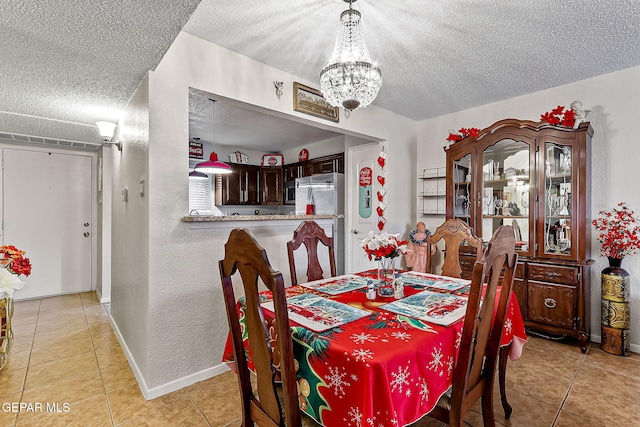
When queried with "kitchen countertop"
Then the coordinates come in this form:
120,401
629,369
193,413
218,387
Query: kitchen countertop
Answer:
213,218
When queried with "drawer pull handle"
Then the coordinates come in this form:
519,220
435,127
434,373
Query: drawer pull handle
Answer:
552,274
550,303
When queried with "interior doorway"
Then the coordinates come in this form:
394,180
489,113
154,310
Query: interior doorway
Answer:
47,212
361,190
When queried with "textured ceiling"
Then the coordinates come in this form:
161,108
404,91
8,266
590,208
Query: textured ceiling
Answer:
437,56
65,65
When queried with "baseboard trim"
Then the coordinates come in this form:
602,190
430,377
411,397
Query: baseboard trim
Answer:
171,386
185,381
102,300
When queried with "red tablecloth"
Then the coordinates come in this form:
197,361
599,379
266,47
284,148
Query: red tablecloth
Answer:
384,369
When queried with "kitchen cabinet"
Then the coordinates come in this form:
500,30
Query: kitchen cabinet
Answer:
326,164
536,178
271,181
329,164
251,185
241,186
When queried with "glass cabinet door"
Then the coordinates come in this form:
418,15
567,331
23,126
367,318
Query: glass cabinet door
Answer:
462,191
506,190
557,200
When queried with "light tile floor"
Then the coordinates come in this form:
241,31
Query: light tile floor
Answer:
65,353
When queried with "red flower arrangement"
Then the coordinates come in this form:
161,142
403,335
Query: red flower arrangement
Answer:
463,133
560,116
383,245
618,234
17,263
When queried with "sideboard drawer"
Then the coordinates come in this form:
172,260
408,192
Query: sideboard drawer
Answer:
552,304
554,273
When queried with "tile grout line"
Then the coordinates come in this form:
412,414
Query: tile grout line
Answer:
93,346
26,372
566,396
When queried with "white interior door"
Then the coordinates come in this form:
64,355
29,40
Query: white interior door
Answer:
47,213
361,194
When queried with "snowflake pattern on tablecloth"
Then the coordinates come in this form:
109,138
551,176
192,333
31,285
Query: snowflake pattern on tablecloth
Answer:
362,337
424,391
362,354
450,364
436,362
404,336
508,325
458,339
356,417
335,380
400,378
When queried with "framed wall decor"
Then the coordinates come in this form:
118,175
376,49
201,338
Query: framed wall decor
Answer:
196,150
310,101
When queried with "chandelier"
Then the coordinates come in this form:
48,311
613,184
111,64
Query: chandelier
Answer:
351,79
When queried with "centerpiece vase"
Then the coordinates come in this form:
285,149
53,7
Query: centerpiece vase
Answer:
6,332
385,276
616,292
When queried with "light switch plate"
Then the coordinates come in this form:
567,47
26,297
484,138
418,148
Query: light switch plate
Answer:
125,195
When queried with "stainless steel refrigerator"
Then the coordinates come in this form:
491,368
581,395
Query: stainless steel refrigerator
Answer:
326,193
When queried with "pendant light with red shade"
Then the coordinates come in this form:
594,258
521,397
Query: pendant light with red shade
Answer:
213,165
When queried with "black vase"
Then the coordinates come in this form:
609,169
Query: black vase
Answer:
616,290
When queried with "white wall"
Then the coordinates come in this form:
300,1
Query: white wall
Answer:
316,149
130,232
615,153
183,316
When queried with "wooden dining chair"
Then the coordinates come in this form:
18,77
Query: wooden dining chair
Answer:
270,404
473,374
311,235
454,232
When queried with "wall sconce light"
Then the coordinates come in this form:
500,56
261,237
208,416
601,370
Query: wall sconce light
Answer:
107,130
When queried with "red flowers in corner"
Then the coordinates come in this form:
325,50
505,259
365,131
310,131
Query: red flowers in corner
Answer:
560,116
619,234
463,133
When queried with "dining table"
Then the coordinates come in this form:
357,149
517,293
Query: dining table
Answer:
364,359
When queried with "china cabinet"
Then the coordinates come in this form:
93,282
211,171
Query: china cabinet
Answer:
536,178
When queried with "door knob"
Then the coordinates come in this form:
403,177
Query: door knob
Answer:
86,224
354,231
85,234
